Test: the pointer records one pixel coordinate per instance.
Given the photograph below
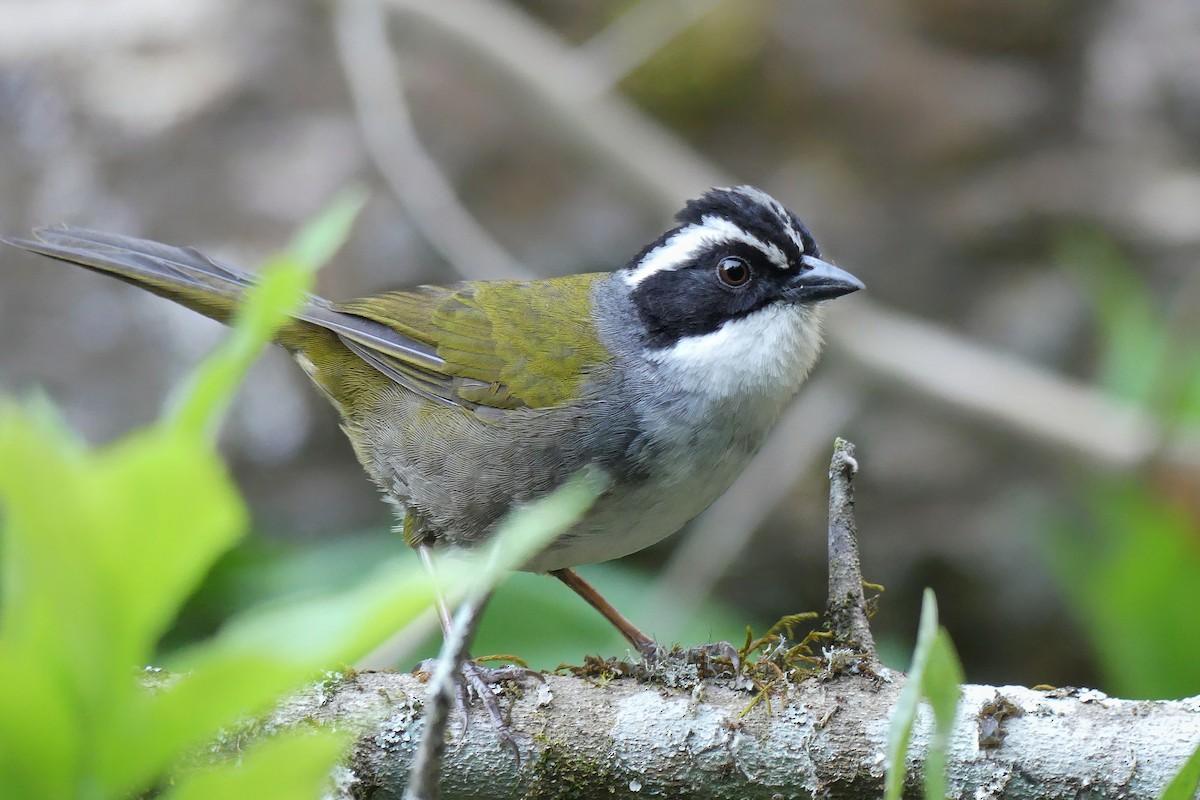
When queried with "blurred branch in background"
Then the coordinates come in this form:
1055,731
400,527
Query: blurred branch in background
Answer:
375,78
648,158
32,30
1039,405
635,36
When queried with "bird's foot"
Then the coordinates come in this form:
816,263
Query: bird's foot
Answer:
480,681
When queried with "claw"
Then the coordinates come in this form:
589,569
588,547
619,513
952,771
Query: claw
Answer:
425,665
481,681
462,698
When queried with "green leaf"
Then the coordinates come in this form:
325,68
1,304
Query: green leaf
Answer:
169,511
259,571
318,241
940,683
316,632
280,291
292,766
164,725
909,702
101,548
255,658
1189,392
41,745
935,674
270,650
1184,785
343,626
530,528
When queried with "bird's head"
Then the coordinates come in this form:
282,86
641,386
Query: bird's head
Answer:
728,298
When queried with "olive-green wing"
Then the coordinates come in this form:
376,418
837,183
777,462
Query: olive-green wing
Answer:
500,344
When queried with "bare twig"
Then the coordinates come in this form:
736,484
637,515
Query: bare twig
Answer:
846,610
663,168
424,778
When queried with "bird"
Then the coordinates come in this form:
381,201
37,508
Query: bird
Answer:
464,401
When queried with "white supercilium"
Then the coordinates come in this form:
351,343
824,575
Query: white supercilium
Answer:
681,248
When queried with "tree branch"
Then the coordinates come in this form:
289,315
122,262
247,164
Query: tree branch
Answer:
623,738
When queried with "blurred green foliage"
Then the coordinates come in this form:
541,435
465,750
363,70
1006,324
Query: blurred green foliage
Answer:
696,82
1145,356
1131,562
100,548
1185,784
1132,570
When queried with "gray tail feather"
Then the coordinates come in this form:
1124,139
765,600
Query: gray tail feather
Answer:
189,277
141,261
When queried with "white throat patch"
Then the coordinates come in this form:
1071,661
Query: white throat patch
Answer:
767,355
681,248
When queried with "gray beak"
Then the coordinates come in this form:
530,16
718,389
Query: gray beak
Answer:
821,281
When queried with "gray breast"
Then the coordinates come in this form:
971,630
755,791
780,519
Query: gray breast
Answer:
457,475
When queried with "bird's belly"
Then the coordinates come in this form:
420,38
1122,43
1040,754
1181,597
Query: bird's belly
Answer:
632,517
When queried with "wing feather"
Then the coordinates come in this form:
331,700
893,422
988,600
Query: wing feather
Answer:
481,346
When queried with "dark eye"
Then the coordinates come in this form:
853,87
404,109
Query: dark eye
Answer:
733,271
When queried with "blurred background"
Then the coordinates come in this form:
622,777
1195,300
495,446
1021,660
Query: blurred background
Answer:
1017,183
